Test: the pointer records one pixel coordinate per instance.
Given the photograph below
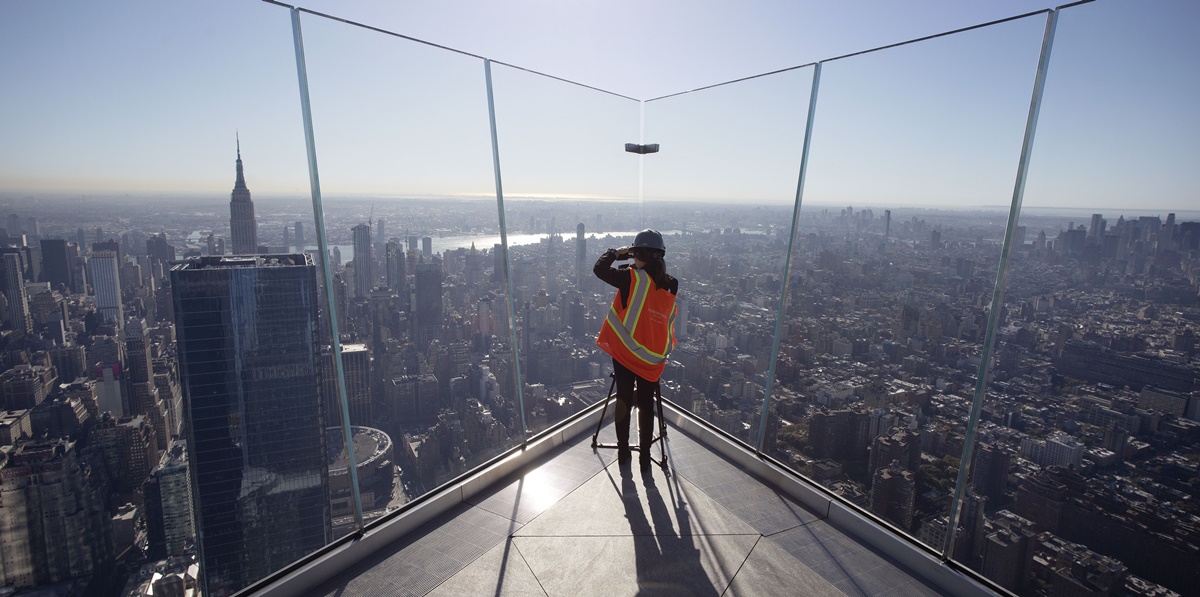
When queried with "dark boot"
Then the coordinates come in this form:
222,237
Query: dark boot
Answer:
624,456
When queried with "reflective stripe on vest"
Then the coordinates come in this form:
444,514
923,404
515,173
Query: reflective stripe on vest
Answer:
624,329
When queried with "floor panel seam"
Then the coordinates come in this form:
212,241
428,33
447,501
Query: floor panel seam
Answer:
564,496
490,511
665,534
733,576
528,567
603,467
739,516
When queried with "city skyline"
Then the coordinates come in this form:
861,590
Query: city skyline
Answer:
884,323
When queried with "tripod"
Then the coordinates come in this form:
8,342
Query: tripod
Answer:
661,440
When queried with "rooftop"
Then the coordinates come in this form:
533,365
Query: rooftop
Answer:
229,262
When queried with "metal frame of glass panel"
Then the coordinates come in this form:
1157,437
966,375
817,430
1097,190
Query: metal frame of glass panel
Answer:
787,267
508,282
1014,211
314,181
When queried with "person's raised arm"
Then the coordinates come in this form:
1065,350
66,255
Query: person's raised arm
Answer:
617,278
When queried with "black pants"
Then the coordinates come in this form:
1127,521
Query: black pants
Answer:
629,386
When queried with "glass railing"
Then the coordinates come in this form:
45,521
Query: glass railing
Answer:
900,234
569,192
1086,447
848,236
406,181
722,189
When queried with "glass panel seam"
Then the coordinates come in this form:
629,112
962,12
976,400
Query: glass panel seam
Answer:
1035,104
323,246
641,165
508,281
787,267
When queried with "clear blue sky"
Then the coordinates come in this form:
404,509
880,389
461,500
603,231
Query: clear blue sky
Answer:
145,96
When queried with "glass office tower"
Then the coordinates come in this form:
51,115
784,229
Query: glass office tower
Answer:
247,337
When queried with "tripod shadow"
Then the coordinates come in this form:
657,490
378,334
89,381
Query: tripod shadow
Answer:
667,562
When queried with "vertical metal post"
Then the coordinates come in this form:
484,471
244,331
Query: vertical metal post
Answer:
508,283
787,267
641,166
1014,212
323,245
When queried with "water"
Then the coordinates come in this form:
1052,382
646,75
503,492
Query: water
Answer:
449,243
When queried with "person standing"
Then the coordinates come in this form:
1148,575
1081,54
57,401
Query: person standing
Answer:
638,332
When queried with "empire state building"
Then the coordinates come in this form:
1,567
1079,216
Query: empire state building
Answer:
242,227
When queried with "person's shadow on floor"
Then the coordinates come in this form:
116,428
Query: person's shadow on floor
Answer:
668,563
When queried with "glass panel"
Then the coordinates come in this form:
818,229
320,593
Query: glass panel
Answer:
899,238
566,177
724,187
1087,451
403,144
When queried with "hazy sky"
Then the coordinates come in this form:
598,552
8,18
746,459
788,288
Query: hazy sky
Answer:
145,96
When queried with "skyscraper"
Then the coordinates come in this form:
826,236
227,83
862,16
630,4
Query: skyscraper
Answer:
24,259
299,235
1008,551
243,229
106,284
413,398
248,359
582,274
473,270
168,500
56,263
681,317
429,301
893,494
137,350
363,270
498,273
1097,228
990,473
356,366
900,446
13,286
552,246
396,270
143,394
53,520
160,250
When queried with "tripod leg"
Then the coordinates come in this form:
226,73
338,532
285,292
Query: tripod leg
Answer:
662,425
604,411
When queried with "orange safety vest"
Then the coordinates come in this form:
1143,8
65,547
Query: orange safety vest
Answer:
641,334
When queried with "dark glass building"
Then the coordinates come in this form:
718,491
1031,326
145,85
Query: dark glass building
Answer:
56,263
255,421
429,301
